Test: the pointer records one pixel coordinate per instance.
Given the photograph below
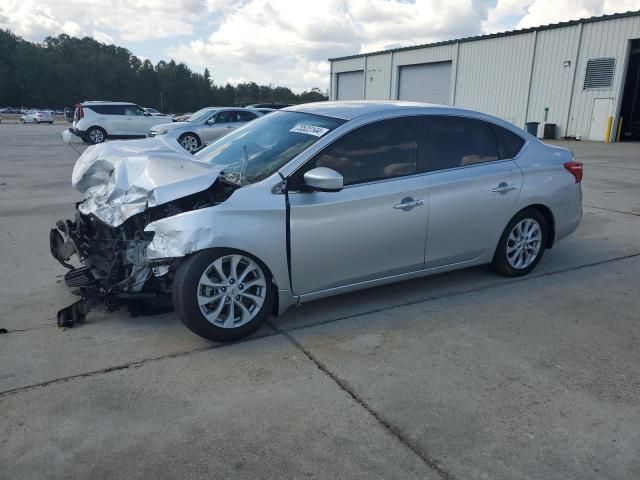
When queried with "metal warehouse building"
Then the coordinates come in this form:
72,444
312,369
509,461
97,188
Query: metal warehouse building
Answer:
581,76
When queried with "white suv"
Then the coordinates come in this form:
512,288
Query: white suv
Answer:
96,121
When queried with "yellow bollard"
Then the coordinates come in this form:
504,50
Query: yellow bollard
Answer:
607,135
619,129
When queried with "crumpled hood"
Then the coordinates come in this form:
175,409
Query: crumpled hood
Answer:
121,179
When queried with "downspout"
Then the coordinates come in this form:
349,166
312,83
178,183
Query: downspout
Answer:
573,83
533,62
391,75
364,86
455,77
331,79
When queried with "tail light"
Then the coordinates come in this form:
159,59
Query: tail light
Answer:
79,113
575,169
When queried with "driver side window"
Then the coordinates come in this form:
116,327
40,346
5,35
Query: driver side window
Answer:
378,151
226,117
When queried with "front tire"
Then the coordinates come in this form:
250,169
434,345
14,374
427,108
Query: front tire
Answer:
222,294
522,244
189,141
95,135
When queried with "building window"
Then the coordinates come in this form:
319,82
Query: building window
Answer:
599,73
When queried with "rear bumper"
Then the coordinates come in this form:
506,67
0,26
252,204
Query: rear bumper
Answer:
79,133
568,213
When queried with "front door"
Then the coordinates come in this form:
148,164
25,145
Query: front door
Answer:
223,122
137,123
376,226
599,118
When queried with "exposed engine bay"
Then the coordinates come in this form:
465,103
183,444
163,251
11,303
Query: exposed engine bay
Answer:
121,199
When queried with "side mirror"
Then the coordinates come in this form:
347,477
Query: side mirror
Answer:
323,179
211,121
146,114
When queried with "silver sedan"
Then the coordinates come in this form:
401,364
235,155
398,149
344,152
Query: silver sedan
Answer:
205,125
317,200
39,116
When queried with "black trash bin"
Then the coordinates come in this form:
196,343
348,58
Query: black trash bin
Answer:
532,128
549,131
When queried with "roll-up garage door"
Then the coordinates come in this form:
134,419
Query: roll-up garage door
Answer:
351,85
427,82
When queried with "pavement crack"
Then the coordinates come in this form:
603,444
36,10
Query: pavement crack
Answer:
278,331
612,210
135,364
389,427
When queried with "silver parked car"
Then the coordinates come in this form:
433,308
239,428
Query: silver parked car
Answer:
312,201
37,116
205,125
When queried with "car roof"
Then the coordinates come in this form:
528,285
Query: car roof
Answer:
348,110
103,102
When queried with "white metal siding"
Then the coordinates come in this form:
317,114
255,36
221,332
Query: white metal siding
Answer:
427,82
350,85
601,39
378,77
493,76
501,75
551,80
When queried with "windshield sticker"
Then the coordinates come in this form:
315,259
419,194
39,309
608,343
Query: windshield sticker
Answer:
309,129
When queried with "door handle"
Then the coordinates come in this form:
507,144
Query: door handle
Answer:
408,203
503,188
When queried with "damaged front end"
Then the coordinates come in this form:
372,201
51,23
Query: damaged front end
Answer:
127,185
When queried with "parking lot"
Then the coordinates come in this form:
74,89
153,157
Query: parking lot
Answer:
455,376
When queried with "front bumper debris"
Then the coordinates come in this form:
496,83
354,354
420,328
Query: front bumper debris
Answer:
114,269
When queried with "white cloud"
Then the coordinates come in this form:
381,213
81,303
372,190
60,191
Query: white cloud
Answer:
510,14
284,42
102,37
129,20
288,41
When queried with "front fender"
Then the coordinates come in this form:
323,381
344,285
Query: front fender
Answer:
251,220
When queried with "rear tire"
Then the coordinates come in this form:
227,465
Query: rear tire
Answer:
95,135
239,286
522,244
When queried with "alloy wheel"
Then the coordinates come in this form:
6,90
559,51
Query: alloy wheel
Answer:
231,291
189,142
524,243
96,136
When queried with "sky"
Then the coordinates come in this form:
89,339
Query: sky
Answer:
282,42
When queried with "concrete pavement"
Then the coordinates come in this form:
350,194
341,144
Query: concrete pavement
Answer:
461,375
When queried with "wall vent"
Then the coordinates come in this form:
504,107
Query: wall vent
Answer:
599,73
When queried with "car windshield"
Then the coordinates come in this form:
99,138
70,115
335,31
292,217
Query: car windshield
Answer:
257,150
200,115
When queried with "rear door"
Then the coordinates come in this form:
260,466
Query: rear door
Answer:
376,226
473,186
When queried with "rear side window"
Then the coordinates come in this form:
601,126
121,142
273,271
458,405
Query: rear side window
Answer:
246,116
107,109
450,142
510,144
381,150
